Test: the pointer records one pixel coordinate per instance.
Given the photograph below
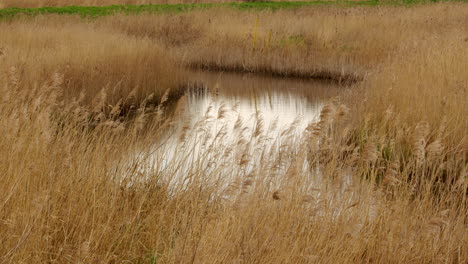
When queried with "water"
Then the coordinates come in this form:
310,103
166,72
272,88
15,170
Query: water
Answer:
241,125
279,102
246,132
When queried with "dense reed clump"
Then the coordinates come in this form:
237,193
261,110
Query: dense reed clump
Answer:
86,198
111,195
93,61
380,176
416,115
323,41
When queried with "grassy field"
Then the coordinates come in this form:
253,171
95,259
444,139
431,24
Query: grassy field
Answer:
72,189
157,5
112,7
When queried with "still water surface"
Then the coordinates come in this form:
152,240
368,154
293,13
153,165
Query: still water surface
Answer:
246,131
278,102
238,125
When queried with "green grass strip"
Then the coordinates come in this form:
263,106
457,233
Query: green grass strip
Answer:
96,11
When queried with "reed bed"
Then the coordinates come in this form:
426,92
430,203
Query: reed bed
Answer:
74,195
61,3
90,59
58,3
329,41
379,177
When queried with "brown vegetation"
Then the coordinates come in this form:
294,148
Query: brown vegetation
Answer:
74,194
91,59
328,41
54,3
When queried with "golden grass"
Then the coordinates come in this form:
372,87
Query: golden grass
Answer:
323,40
74,194
91,59
57,3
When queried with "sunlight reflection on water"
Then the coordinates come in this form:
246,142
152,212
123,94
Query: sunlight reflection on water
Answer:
229,128
246,131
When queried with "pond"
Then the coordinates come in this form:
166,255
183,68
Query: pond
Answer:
277,103
238,124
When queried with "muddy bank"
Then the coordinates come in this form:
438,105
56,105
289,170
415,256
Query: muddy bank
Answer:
340,77
205,78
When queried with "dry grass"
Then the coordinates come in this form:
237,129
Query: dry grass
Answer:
50,3
59,3
331,41
72,194
91,59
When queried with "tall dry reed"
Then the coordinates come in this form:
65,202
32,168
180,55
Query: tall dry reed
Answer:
381,177
90,58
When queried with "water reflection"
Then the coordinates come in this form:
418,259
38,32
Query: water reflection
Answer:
247,134
278,102
241,125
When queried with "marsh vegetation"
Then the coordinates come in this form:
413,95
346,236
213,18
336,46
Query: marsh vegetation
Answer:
116,149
